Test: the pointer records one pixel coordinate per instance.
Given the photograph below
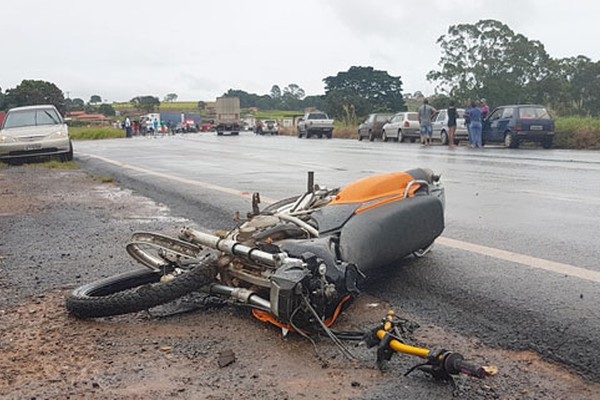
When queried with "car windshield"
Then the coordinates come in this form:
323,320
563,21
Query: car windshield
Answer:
317,116
533,113
412,116
269,121
18,119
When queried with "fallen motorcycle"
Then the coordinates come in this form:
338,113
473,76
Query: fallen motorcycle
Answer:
297,262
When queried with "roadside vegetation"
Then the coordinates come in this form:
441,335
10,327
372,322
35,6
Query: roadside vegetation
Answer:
577,133
95,133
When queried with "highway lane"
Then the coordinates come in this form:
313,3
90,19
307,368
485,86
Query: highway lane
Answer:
517,264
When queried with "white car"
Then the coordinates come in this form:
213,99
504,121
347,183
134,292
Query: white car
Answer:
268,127
402,126
34,131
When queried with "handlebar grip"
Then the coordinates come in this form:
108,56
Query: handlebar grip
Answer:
455,363
470,369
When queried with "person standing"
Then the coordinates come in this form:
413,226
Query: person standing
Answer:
485,109
425,113
475,125
451,123
127,127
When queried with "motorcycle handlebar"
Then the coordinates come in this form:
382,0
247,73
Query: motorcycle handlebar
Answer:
454,363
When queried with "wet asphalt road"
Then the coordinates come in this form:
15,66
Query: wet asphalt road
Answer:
544,204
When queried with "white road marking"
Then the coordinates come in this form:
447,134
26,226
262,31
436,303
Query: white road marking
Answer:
533,262
204,185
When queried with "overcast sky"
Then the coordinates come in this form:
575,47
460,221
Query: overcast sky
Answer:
200,49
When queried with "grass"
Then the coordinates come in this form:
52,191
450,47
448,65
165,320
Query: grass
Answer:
95,133
103,179
55,164
577,133
345,131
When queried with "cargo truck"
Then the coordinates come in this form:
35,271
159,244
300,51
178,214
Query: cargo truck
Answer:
228,115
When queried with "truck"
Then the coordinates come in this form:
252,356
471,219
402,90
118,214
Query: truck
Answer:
315,123
228,115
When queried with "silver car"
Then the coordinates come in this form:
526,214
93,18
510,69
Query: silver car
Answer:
34,131
403,125
440,127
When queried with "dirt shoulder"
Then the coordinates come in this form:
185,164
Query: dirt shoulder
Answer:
61,229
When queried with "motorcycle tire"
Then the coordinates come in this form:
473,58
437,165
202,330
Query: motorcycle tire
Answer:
136,291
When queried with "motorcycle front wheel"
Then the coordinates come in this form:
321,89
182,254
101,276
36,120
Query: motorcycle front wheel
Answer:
137,291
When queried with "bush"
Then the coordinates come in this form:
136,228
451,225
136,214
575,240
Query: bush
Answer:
577,133
345,131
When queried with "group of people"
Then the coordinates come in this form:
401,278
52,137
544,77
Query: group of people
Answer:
134,128
474,116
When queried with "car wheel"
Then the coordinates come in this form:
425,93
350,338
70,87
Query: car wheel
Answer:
320,135
510,140
444,138
359,136
547,143
400,136
68,156
384,137
412,140
329,135
308,134
371,137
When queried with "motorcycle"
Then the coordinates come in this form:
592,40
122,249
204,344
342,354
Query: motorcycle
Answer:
297,262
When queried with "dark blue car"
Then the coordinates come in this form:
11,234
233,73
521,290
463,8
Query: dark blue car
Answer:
515,124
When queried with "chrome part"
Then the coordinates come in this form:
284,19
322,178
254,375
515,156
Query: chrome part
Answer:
415,182
156,251
241,295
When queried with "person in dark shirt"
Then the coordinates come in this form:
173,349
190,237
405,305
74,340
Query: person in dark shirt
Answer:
452,115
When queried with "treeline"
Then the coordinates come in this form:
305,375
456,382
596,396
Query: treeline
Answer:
489,60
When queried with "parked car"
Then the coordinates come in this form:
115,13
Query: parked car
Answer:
403,125
372,128
35,131
315,123
515,124
269,127
439,124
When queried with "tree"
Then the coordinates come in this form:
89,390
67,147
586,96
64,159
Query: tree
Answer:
170,97
2,101
366,88
201,105
487,59
346,105
293,91
145,103
106,110
95,99
32,92
76,104
275,92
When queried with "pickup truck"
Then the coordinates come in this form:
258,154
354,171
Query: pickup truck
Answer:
315,123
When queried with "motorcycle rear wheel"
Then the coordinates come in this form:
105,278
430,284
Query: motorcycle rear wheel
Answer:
136,291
